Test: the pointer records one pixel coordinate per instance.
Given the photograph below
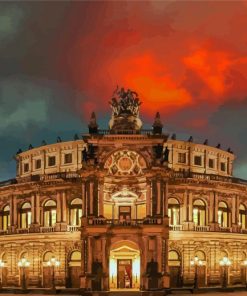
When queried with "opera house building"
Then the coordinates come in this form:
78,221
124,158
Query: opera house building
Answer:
123,208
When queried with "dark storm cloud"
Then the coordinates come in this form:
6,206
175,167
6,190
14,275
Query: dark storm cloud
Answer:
230,124
61,60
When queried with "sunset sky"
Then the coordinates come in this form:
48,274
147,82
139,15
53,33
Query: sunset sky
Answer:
60,61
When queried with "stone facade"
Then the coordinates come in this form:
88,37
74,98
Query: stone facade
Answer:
123,209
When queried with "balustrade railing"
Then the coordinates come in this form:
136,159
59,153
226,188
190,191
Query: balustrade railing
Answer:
124,222
73,228
201,228
47,229
225,229
176,227
212,177
2,232
22,230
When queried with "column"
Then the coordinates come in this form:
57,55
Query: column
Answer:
148,199
101,198
89,261
37,209
59,207
158,185
59,211
165,199
33,208
64,208
13,213
216,205
105,264
91,197
154,197
84,199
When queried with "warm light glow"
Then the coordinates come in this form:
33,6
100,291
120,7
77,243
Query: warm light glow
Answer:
225,261
53,262
1,263
23,262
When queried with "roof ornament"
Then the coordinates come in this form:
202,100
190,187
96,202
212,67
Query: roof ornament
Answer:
157,125
174,137
59,140
125,102
93,126
191,139
125,111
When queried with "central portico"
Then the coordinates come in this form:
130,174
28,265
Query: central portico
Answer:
125,229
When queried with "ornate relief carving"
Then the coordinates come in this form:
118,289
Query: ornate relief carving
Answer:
125,162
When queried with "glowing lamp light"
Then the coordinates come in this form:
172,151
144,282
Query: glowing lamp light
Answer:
23,262
53,262
1,263
225,261
196,261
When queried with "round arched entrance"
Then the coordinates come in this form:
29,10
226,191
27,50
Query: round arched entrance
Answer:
124,266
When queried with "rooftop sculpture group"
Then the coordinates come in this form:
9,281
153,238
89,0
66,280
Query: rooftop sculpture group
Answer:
125,103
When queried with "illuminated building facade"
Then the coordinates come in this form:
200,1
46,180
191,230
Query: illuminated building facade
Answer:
123,208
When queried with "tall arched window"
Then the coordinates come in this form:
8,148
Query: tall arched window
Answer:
199,213
50,213
26,215
223,214
75,212
242,216
173,211
5,218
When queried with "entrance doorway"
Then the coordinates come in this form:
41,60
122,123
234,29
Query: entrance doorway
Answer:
124,214
124,273
175,269
124,266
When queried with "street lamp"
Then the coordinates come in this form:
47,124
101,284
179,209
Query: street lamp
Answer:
225,263
245,265
196,262
23,264
53,262
1,273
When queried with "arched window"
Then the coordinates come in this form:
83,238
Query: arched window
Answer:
75,212
47,256
223,215
5,218
199,213
26,215
173,256
173,211
50,213
242,216
201,255
75,256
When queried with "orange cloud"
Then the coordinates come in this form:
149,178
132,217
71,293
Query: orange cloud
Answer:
150,78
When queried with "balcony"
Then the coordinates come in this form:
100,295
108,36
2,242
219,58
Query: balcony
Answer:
41,229
73,228
22,230
176,227
225,229
47,229
201,228
125,222
212,177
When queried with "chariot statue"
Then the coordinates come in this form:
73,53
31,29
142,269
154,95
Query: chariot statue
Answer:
125,110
